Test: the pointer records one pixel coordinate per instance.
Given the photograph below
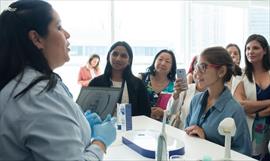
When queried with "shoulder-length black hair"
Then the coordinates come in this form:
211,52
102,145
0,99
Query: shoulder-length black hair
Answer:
17,51
266,58
171,74
127,72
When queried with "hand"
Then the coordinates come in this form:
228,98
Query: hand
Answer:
105,132
92,118
157,113
243,103
195,130
179,86
109,118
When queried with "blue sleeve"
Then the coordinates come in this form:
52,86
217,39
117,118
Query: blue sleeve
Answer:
191,106
241,141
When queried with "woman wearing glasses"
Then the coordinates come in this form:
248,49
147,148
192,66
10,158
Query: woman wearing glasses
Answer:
209,108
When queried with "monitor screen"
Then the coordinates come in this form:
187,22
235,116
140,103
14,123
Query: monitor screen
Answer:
101,100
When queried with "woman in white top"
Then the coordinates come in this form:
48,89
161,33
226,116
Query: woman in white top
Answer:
253,92
179,102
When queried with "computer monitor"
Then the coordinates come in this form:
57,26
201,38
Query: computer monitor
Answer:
101,100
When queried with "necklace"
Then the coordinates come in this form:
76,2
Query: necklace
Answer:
158,86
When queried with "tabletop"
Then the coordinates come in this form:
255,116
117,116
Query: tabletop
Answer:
195,148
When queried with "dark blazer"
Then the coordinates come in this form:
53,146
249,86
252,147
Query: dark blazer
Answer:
138,97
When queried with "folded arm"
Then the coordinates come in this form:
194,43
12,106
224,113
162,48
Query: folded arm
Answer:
250,106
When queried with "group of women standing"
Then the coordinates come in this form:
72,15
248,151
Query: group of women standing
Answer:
216,76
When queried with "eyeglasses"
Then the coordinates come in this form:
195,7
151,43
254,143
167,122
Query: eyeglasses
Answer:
201,67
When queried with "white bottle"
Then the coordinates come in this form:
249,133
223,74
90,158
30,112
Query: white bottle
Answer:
124,118
120,116
269,146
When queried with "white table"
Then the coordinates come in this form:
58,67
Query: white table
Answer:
195,148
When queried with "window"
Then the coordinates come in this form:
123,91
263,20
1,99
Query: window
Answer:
214,25
186,27
259,21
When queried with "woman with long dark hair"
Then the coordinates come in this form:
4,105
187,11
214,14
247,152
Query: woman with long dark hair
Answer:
159,80
118,73
38,118
253,92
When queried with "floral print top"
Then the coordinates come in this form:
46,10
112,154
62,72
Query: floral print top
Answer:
261,125
153,96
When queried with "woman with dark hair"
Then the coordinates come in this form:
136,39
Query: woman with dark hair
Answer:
159,78
235,53
209,108
253,92
118,74
89,71
190,79
38,118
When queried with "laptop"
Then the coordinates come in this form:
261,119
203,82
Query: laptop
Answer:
101,100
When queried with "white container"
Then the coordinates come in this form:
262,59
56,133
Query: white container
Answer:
124,117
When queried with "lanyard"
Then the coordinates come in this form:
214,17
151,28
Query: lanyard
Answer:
202,117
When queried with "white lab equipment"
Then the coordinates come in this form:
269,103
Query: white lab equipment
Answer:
162,152
227,128
144,142
154,144
269,146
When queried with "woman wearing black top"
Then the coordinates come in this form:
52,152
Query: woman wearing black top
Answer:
118,73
